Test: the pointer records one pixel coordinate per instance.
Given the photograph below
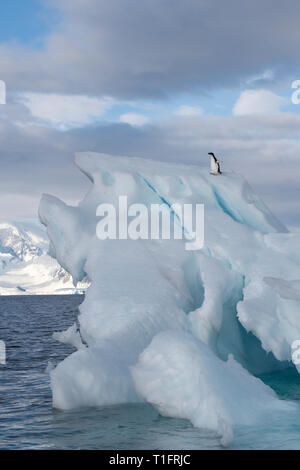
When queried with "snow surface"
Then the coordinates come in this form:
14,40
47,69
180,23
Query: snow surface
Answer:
183,378
181,329
26,267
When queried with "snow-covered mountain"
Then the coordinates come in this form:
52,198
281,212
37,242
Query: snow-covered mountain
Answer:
25,265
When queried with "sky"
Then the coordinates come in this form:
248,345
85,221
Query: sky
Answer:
161,79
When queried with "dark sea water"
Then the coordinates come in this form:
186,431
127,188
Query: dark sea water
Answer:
28,421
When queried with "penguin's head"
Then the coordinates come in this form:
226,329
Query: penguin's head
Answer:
210,153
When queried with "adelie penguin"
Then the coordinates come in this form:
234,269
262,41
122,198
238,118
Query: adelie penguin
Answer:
214,165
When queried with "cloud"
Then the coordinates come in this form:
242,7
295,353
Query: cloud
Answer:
258,102
15,205
65,111
131,49
136,51
264,149
260,80
186,110
134,119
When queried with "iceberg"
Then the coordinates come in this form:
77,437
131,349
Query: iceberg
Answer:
183,378
184,330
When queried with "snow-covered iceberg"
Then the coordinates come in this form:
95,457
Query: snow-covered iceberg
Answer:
180,329
183,378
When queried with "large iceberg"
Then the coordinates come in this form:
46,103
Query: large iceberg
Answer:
184,330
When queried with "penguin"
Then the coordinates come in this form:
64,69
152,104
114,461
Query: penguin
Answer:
214,165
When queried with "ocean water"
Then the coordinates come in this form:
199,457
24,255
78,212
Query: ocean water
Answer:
28,421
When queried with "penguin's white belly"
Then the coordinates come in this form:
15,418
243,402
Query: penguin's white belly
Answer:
213,166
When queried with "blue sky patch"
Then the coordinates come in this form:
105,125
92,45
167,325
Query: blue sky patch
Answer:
26,21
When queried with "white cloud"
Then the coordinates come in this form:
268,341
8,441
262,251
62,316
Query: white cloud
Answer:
186,110
258,102
134,119
15,205
133,49
263,148
267,75
66,111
